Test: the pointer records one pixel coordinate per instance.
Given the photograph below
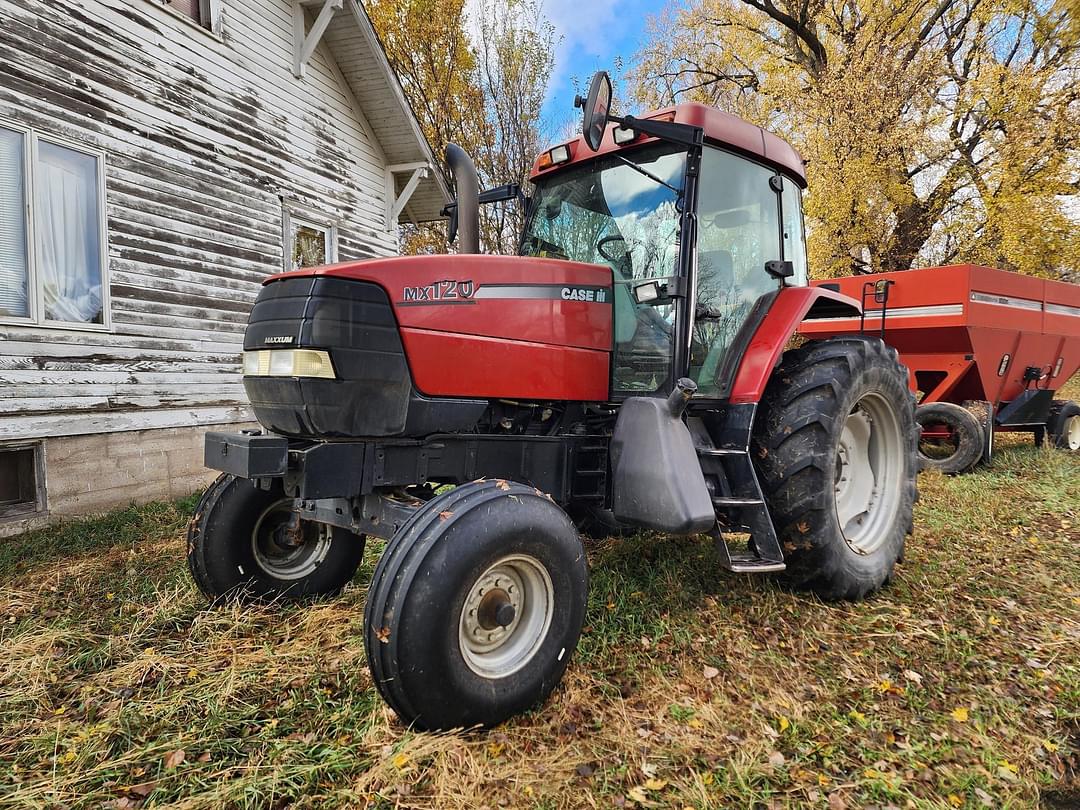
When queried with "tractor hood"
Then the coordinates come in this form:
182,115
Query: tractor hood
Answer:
518,298
413,335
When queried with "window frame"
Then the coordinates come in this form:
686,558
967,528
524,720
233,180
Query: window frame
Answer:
210,10
35,292
295,215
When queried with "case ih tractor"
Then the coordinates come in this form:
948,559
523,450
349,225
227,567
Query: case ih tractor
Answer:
629,365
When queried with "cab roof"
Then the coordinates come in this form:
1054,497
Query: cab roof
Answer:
721,129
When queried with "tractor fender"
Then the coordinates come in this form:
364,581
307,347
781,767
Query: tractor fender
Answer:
791,307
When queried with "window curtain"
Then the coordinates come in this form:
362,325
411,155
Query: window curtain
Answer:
69,234
14,275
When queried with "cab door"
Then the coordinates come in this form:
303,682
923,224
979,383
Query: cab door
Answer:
741,205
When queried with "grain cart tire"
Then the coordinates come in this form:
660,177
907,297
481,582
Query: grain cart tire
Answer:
238,546
476,606
834,443
1063,426
967,438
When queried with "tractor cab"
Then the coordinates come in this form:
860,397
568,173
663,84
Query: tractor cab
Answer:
699,216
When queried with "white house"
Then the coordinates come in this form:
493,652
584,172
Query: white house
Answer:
158,159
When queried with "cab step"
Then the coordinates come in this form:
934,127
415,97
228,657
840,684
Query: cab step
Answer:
728,501
749,564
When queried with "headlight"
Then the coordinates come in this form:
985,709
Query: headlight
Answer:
288,363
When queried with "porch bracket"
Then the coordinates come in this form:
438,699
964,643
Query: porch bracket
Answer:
304,41
395,203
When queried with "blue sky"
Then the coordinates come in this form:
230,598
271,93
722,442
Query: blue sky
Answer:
594,33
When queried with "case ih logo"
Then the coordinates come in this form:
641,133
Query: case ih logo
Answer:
448,290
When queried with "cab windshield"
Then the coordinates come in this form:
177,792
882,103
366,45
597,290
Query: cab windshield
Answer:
606,212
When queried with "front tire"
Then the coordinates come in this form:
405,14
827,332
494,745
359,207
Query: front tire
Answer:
476,606
239,545
835,446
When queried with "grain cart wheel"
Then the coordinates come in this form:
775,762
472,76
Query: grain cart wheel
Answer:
1064,425
242,541
835,443
476,606
960,444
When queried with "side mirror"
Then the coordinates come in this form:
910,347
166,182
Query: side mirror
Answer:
596,106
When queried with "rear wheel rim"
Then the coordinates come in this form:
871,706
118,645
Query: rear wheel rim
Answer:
523,582
869,473
283,560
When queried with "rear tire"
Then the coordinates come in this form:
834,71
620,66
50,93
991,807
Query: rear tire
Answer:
834,443
967,439
1063,426
236,546
440,652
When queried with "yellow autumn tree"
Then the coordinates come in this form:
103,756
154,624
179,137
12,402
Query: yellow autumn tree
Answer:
478,82
934,131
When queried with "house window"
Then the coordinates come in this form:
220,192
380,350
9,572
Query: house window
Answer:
20,490
204,13
310,240
52,231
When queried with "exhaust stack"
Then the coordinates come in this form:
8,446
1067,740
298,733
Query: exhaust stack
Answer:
467,186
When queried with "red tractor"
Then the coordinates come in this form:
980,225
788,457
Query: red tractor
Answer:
628,367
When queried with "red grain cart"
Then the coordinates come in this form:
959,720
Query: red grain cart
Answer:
986,350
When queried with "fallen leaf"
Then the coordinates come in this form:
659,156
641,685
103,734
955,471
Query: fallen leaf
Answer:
204,756
959,714
503,485
143,789
637,794
836,802
174,759
383,635
784,724
912,676
985,798
445,515
695,723
710,672
1049,746
655,784
400,761
955,800
776,759
584,770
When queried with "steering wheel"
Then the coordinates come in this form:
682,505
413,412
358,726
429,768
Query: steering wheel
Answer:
607,240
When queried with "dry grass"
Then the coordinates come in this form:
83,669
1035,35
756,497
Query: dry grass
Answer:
958,686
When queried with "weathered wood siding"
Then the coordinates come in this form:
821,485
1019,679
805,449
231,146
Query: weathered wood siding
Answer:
203,136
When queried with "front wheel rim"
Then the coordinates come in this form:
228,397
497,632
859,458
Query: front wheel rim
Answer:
285,561
493,650
869,473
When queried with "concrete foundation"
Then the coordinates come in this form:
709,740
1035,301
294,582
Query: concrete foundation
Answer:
85,475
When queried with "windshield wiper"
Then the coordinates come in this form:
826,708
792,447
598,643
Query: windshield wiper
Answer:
648,174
